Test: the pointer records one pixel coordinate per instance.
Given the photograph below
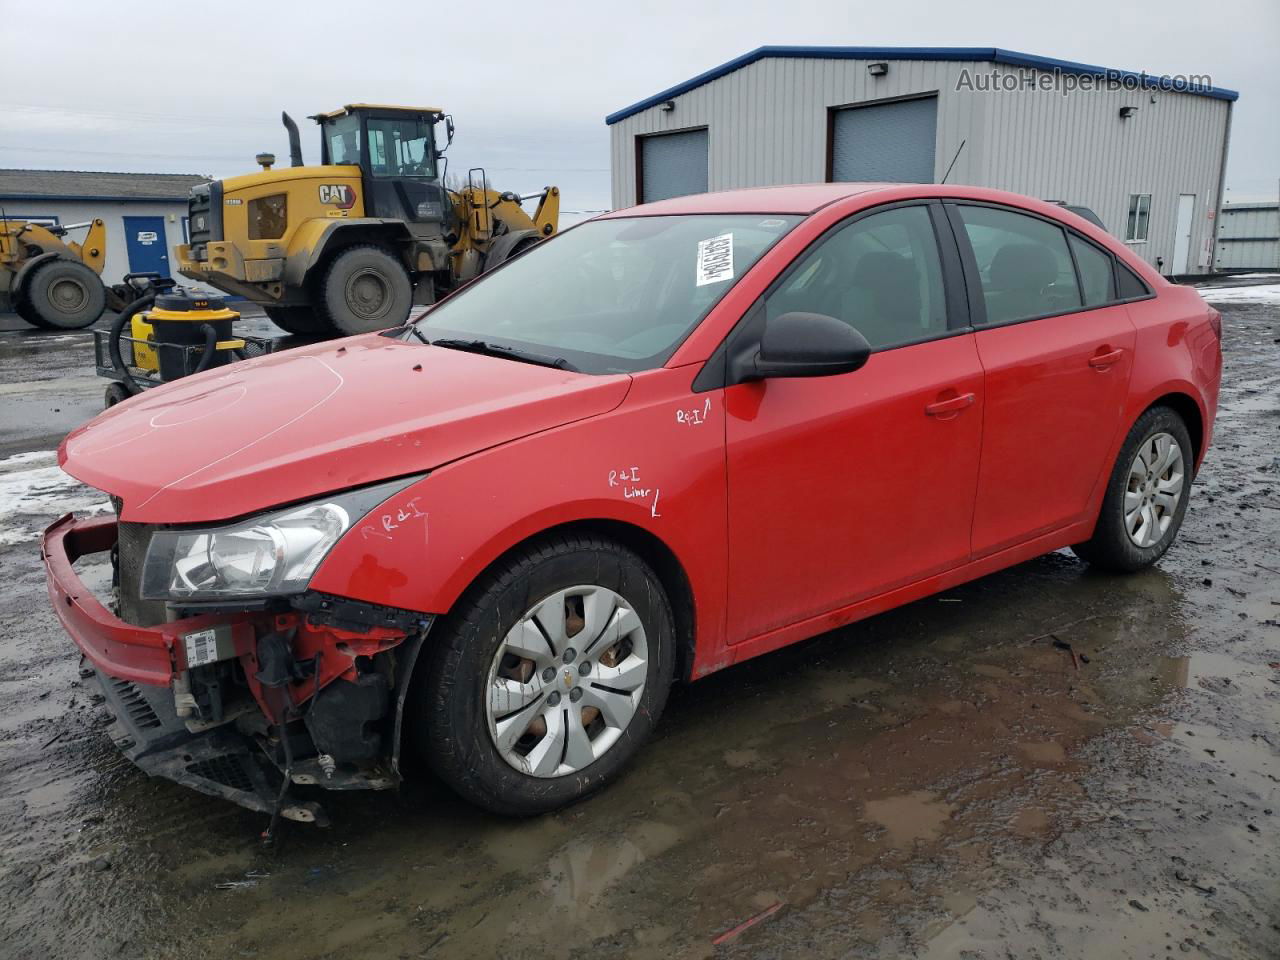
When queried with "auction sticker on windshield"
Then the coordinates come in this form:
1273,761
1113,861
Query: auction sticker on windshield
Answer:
715,259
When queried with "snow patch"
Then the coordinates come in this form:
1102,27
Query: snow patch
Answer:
1258,293
34,490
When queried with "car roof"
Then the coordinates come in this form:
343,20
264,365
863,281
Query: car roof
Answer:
794,198
807,198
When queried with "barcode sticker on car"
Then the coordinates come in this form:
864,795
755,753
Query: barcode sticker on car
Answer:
202,647
715,259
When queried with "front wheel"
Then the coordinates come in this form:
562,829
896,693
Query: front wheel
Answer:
65,295
1146,496
365,289
549,676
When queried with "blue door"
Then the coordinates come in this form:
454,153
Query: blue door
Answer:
148,248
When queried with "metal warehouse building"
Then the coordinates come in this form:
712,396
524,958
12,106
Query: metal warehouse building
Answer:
145,213
1146,154
1249,236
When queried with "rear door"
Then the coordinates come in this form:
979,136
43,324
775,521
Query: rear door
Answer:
844,487
1057,351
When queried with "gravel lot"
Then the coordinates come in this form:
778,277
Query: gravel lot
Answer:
1049,762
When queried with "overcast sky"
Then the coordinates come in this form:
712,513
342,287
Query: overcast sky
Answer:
172,87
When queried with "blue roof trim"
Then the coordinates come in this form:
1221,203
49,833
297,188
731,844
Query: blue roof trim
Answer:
43,197
986,54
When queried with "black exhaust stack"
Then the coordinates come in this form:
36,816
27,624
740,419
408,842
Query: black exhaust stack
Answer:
295,141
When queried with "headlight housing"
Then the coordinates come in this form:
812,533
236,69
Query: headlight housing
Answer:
273,554
268,217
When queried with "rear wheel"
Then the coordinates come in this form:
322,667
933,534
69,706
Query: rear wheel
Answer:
300,321
365,289
549,677
115,393
1146,496
65,295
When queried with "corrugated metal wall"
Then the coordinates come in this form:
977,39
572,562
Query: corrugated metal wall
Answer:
1249,237
1078,148
768,121
768,125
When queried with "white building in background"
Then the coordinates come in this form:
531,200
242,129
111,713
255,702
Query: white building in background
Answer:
1145,153
145,213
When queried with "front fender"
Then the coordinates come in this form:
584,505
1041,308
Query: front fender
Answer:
20,279
646,464
310,242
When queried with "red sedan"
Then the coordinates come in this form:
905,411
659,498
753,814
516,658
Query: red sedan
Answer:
669,440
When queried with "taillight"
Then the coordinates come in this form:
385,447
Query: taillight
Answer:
1215,321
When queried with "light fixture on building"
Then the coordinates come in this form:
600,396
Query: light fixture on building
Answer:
878,69
668,106
1127,112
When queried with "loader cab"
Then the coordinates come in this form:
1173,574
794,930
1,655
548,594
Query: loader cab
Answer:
399,162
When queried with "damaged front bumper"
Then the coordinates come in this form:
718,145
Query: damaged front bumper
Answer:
350,661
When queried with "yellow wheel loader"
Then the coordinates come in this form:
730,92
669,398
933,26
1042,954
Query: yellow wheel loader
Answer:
350,245
50,281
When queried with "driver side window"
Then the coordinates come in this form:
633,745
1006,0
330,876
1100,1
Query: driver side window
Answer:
880,274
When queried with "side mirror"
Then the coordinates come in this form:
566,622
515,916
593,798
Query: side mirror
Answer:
802,345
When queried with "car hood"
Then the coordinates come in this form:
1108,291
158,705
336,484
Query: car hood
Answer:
316,419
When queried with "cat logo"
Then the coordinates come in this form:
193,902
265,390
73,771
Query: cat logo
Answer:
338,194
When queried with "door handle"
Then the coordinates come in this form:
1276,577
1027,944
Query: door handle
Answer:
1101,360
954,405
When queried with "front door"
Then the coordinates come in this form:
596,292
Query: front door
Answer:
844,487
401,181
1182,236
1057,350
146,244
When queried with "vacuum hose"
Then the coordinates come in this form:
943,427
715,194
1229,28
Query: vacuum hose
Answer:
210,343
113,342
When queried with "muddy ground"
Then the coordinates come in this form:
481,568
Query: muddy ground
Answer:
1048,762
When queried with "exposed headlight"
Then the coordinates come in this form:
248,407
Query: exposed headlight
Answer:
274,554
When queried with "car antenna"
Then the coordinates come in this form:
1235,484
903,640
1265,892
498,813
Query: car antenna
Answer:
954,159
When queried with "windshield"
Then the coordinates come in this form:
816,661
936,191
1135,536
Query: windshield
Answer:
609,296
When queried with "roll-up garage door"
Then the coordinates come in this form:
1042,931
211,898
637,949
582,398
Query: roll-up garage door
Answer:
673,165
886,141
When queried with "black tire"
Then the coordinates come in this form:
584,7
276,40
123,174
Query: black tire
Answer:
23,309
114,393
65,295
1111,547
365,289
300,321
451,722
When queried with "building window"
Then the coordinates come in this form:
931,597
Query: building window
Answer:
1139,215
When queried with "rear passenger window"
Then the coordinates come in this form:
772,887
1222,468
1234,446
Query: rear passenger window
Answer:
1130,284
880,274
1023,262
1095,272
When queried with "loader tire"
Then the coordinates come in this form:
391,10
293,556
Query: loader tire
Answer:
300,321
23,309
65,295
365,289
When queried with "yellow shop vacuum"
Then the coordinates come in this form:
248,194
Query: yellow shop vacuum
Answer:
173,332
